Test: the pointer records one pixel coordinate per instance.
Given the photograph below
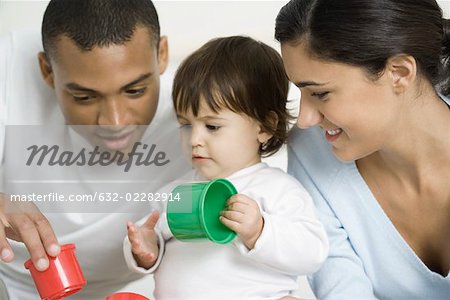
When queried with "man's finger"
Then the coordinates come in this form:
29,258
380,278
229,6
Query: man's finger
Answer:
11,234
47,234
29,235
6,253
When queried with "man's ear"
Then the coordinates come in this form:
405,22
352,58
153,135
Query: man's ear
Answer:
402,71
163,54
46,69
272,123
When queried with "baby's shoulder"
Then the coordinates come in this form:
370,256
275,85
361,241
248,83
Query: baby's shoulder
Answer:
275,178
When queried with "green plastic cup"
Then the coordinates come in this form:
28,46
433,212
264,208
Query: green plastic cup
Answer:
194,213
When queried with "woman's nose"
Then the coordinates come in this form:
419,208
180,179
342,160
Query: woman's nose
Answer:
309,115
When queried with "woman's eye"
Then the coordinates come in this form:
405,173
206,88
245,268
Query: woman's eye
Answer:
185,126
136,92
212,127
320,96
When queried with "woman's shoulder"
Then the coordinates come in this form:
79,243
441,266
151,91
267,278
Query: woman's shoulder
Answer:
312,162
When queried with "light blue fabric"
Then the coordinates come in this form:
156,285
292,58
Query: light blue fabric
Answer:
368,257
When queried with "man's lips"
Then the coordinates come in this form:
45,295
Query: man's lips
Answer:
117,142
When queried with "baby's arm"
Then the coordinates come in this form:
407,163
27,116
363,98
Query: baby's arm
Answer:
143,247
292,240
144,241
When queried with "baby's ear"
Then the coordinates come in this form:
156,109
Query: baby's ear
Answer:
270,125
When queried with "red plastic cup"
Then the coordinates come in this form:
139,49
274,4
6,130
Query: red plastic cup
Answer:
62,278
126,296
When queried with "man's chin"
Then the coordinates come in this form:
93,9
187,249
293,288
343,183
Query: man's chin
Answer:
118,150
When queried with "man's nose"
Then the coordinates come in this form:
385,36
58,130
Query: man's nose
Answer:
113,112
309,115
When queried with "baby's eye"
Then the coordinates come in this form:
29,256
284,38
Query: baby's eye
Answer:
212,127
320,96
185,126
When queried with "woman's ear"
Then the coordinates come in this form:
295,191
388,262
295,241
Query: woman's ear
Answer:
46,69
402,71
271,124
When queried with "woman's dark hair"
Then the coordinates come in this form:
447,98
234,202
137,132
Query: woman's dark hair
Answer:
90,23
366,33
241,74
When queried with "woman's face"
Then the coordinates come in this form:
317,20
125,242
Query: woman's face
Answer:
358,115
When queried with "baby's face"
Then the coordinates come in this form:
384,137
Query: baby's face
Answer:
220,143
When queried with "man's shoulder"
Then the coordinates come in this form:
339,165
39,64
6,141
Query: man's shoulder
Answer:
28,100
24,40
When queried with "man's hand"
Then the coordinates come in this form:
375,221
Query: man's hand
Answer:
23,222
243,216
144,241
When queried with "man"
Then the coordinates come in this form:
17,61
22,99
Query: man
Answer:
103,59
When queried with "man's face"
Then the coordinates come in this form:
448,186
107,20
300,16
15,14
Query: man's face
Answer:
114,88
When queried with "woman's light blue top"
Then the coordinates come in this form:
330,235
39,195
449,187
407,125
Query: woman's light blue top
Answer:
368,258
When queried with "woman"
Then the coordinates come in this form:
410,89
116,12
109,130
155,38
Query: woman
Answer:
373,146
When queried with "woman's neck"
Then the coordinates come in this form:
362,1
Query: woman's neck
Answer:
420,147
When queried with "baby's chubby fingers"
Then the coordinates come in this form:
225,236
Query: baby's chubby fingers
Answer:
239,198
233,225
238,207
133,237
241,202
232,215
151,220
243,215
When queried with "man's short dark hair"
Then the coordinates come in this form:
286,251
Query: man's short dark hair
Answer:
91,23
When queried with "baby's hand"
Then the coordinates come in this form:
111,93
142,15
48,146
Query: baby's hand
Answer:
242,215
144,240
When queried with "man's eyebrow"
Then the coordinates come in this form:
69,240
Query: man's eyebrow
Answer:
76,87
136,81
302,84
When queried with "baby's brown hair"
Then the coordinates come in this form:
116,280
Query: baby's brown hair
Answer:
241,74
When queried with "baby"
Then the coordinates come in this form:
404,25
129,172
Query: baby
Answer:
230,99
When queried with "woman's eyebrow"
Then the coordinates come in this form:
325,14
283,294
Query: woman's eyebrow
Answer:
302,84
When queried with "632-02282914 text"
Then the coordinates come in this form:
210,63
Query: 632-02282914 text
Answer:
97,196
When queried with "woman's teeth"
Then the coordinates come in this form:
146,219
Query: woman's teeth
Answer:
334,131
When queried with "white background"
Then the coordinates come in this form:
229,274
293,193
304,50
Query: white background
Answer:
188,25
